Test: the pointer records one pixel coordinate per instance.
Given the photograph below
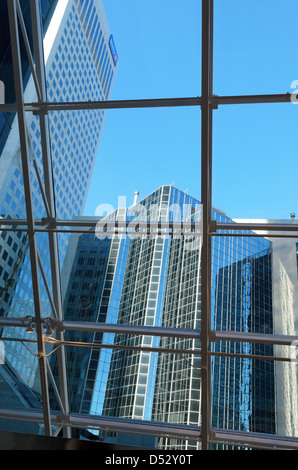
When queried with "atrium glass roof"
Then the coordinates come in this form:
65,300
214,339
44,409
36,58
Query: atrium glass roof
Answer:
204,115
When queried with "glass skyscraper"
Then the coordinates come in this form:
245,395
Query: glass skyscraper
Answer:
81,62
155,280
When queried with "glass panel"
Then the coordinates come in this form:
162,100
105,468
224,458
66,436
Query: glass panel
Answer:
115,44
255,158
142,149
12,200
253,47
254,282
254,395
138,385
19,368
254,292
159,65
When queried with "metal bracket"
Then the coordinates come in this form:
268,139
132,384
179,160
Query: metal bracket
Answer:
39,109
213,100
49,222
213,226
63,419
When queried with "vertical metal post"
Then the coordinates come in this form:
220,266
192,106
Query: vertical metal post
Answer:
50,196
206,180
18,82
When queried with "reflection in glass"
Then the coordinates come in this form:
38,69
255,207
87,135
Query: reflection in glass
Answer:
138,279
254,292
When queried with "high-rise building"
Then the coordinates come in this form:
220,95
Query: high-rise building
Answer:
154,280
80,61
6,66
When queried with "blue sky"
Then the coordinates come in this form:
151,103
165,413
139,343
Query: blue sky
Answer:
255,153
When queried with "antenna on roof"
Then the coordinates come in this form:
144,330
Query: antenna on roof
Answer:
136,197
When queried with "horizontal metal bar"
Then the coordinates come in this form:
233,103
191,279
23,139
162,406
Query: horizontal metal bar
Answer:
12,322
283,227
256,440
258,357
111,328
281,340
123,231
57,344
251,99
151,428
255,235
97,222
117,104
148,103
131,329
87,421
131,426
186,333
8,108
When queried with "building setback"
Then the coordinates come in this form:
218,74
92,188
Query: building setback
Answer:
155,281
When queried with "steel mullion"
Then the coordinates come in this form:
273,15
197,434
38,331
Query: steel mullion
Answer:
49,194
18,83
47,287
45,201
206,149
52,379
28,49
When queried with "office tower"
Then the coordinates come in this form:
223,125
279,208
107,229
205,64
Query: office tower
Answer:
155,280
6,66
81,62
246,399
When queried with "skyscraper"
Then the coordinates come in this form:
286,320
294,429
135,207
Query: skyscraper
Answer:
80,61
6,66
154,280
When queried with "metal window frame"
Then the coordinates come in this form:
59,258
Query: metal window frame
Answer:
208,102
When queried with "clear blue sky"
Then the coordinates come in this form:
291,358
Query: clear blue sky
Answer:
255,148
